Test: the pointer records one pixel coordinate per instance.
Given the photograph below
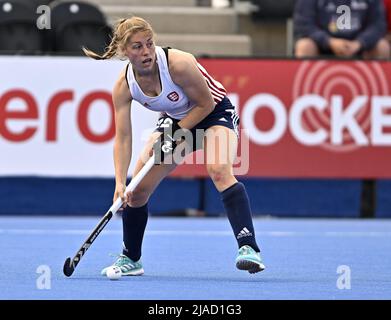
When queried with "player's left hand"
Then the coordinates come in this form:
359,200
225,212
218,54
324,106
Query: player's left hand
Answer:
166,143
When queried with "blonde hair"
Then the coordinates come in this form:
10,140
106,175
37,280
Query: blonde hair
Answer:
124,29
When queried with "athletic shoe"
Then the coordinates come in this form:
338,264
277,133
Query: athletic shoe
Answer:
249,260
127,266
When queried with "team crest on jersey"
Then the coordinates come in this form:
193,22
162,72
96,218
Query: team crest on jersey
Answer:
173,96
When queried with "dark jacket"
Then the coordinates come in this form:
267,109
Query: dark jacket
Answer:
317,19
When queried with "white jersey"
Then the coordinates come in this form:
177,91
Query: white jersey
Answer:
171,100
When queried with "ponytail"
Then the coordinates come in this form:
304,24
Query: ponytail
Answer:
111,49
110,52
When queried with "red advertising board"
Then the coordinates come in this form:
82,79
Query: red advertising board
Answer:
308,118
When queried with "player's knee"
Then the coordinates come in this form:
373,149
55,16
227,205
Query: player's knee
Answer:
219,172
139,197
306,47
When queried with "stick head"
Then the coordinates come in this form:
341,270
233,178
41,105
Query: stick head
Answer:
68,268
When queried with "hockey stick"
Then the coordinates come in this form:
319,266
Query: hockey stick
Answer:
70,264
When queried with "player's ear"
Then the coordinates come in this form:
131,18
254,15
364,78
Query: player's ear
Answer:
122,50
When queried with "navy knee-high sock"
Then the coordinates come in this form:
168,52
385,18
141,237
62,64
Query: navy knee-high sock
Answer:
237,206
134,222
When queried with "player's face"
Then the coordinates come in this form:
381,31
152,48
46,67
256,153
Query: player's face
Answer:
141,52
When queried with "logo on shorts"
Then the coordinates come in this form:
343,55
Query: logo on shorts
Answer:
173,96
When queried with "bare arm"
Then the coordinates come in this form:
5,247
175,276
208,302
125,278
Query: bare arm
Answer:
123,135
185,73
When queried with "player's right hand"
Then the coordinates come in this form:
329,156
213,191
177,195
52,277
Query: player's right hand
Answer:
120,193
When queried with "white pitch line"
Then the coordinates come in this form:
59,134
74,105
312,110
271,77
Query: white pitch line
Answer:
220,233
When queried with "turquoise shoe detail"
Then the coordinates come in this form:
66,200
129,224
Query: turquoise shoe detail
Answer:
249,260
128,266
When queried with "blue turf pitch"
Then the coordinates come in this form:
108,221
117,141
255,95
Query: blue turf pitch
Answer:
193,259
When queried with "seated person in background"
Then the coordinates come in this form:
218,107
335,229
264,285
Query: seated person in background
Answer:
321,29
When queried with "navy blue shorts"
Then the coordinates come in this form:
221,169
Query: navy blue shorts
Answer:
224,114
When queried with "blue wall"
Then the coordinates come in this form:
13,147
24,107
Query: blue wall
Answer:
299,198
46,196
383,199
275,197
175,195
